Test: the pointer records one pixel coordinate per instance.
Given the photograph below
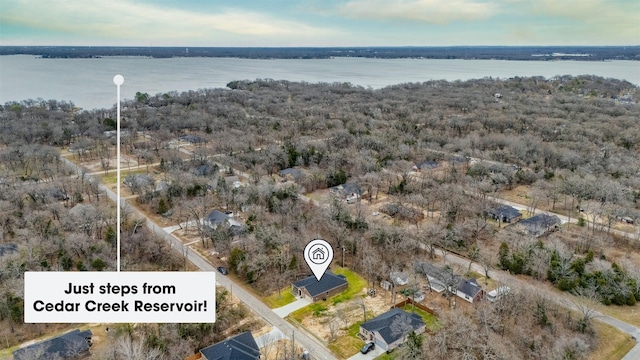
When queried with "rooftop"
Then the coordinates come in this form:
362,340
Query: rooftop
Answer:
383,324
329,281
240,347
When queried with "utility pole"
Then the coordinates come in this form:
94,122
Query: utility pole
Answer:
343,256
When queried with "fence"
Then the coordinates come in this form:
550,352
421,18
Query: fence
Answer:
418,305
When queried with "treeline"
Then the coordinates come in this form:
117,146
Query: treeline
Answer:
535,53
606,282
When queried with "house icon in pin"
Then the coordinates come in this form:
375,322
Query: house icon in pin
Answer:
318,254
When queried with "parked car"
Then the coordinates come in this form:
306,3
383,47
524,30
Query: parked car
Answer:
499,293
222,270
367,347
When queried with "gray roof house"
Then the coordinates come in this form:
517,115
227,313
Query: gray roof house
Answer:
72,345
540,224
240,347
314,290
438,277
399,278
382,331
291,174
217,218
347,189
469,290
505,213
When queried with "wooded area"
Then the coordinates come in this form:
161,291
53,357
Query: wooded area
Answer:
534,53
571,142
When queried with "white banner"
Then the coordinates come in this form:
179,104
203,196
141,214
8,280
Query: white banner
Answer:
119,297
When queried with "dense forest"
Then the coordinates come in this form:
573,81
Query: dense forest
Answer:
571,142
582,53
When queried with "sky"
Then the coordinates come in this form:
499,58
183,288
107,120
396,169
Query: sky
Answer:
276,23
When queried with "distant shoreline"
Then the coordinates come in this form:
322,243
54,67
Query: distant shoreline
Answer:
521,53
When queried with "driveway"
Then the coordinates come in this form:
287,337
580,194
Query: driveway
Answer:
371,355
272,336
301,337
289,308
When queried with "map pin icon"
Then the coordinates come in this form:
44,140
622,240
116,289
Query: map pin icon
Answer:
318,254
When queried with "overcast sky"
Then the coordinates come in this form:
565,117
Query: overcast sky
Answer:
319,22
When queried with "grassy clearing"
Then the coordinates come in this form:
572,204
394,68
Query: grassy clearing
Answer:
348,345
431,321
111,177
384,356
276,300
315,309
629,314
613,344
356,284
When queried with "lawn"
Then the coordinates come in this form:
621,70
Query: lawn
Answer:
111,177
349,344
612,343
431,321
385,356
276,300
356,284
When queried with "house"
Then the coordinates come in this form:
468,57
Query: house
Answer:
499,293
138,181
8,248
291,174
193,139
58,194
436,276
469,290
347,190
206,169
314,290
399,278
402,212
217,218
240,347
72,345
425,165
382,331
233,182
505,213
540,224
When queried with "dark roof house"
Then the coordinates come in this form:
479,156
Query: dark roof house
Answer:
72,345
540,224
382,331
240,347
291,173
505,213
314,290
469,290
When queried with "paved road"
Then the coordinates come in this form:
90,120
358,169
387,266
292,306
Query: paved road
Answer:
563,218
317,350
559,298
309,343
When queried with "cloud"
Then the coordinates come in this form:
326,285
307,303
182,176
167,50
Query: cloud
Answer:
581,21
439,12
128,20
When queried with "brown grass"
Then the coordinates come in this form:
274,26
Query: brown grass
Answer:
613,344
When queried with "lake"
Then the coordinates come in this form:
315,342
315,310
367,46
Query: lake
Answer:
88,83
